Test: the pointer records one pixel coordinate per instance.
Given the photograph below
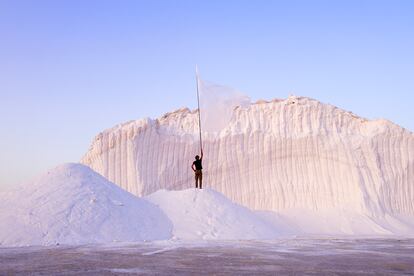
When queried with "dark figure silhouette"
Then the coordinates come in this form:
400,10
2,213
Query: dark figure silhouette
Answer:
197,168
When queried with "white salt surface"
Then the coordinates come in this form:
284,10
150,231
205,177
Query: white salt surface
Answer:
280,155
71,204
209,215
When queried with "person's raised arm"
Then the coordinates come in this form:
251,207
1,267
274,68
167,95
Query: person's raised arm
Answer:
201,154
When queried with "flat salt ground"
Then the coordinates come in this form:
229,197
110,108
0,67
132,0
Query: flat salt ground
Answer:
300,256
71,204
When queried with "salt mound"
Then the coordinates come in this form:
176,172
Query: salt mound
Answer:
71,204
209,215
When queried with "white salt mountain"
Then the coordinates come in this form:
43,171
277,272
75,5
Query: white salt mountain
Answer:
310,168
290,156
72,204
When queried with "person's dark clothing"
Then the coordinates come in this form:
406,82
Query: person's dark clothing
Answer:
198,173
197,164
199,179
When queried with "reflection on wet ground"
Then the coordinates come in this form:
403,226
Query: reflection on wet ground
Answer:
281,257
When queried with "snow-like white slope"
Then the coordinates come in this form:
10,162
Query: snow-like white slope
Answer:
296,153
208,215
334,222
71,204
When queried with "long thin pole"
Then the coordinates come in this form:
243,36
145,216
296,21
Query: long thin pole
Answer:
199,112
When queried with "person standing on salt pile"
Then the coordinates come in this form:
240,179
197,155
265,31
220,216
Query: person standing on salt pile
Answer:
197,168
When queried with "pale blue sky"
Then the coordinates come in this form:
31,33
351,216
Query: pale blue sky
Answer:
70,69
